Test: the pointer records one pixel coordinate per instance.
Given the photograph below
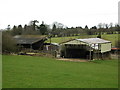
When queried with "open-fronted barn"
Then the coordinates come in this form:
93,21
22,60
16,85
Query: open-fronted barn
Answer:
89,48
30,42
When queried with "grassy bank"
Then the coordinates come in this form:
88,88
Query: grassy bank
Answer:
111,37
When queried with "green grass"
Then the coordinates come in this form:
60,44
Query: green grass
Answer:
43,72
62,39
111,37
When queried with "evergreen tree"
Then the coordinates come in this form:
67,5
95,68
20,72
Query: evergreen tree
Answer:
86,27
20,29
42,28
54,28
14,30
25,27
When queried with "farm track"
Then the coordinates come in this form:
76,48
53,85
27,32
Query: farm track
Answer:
73,60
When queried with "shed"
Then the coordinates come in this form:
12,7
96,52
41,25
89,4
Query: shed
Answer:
89,48
51,46
30,42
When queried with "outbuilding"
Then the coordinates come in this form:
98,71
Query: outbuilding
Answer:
89,48
30,42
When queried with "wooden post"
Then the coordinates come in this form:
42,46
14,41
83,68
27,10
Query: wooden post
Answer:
102,56
50,46
90,52
94,52
65,52
50,39
98,54
98,51
31,47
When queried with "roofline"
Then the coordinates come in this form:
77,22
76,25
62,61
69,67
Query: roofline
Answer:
85,42
39,40
94,43
67,41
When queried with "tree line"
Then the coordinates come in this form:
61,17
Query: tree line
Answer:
31,29
60,30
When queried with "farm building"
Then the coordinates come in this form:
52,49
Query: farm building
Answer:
51,46
30,42
90,48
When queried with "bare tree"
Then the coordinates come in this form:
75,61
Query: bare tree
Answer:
8,43
106,26
100,25
59,25
111,25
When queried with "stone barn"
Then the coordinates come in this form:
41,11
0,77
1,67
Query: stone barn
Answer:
30,42
89,48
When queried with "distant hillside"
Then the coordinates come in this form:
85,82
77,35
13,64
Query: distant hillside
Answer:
111,37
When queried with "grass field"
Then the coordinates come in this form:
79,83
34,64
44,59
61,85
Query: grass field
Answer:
110,37
42,72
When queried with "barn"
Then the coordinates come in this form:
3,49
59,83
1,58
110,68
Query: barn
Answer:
30,42
88,48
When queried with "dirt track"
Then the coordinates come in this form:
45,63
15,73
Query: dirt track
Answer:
72,60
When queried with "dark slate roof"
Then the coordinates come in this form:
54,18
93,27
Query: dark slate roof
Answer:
26,40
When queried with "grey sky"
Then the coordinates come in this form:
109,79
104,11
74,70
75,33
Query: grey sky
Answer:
69,12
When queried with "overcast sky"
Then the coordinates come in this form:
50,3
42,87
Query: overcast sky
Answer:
71,13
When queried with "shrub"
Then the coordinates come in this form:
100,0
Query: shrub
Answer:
117,43
99,36
8,43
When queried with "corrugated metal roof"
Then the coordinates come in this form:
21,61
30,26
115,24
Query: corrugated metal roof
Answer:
55,44
93,40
